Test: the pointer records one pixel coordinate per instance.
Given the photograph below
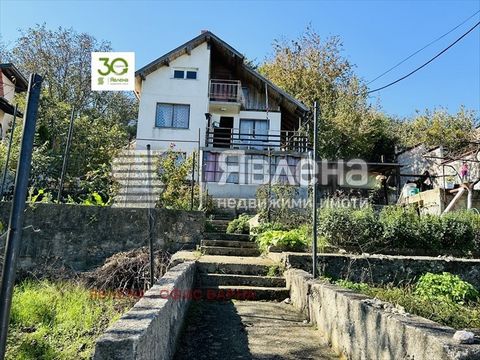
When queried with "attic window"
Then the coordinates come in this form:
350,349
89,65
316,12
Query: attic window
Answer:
191,74
185,74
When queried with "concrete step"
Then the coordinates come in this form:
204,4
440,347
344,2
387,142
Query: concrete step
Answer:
245,293
224,236
229,243
233,265
241,280
229,251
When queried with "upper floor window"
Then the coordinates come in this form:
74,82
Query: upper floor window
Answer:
172,116
185,74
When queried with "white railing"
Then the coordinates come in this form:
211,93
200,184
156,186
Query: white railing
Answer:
225,90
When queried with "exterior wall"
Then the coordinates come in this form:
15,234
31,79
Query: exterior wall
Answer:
358,327
414,162
82,237
8,89
385,269
151,328
8,92
160,87
273,117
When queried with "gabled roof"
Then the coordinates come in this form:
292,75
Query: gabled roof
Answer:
15,76
207,36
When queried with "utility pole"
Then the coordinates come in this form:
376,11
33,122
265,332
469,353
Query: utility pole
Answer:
65,156
315,191
5,170
15,226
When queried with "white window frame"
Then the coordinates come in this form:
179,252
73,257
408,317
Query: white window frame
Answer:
185,70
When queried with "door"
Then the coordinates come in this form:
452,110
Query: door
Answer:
254,133
222,135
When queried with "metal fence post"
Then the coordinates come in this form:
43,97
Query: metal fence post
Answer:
14,234
65,156
315,192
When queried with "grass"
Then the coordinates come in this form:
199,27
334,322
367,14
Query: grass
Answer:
59,320
458,315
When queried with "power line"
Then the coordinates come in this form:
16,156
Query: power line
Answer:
428,62
423,48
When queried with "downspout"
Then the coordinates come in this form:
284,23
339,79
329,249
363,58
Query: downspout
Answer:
454,200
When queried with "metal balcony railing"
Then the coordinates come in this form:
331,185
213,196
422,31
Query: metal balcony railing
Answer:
232,138
225,90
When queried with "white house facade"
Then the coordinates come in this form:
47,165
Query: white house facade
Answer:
202,97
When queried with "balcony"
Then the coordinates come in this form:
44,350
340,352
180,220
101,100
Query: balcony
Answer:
232,138
225,95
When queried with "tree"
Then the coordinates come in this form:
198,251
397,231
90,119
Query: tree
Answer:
312,69
438,127
62,57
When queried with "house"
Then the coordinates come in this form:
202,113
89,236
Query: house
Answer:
448,188
203,97
11,82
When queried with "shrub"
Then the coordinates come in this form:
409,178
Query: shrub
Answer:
174,172
400,227
446,312
282,196
445,286
264,227
294,240
239,225
350,227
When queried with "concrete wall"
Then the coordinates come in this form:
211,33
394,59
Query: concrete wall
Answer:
385,269
82,237
161,87
358,330
151,328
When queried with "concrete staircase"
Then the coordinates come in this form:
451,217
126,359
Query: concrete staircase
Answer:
136,174
231,263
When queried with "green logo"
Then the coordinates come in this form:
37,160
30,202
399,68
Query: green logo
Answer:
100,81
118,66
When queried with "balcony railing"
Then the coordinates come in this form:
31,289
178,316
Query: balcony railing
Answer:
231,138
225,90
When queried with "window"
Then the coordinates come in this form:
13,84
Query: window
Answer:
178,74
185,74
191,75
172,116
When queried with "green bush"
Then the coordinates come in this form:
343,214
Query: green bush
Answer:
445,286
264,227
397,227
444,311
400,227
239,225
350,227
293,240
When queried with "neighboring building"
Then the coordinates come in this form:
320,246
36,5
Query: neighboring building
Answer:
203,96
445,170
11,82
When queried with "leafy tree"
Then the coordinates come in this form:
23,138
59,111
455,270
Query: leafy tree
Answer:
438,127
62,57
311,68
174,172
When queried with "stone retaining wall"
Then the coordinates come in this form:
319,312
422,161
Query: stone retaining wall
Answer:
82,237
385,269
357,330
150,329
